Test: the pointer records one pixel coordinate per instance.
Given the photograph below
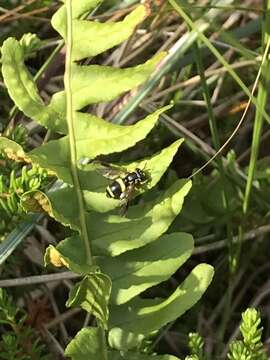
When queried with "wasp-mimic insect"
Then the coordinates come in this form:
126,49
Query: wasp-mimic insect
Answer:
123,184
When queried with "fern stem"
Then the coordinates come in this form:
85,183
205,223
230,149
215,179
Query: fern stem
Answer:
72,140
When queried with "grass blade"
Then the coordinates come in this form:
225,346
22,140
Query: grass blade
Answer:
261,103
175,53
17,235
217,54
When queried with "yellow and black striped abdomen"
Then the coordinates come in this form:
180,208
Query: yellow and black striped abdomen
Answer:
116,188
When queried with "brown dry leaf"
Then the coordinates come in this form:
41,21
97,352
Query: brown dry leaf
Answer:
39,313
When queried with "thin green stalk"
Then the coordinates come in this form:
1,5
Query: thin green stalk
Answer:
104,343
48,61
217,54
225,197
258,125
261,103
216,143
72,139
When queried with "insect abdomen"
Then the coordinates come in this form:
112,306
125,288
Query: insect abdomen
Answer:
116,188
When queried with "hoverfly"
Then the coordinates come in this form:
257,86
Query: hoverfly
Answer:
124,183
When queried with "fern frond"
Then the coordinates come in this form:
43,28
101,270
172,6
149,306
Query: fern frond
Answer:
133,252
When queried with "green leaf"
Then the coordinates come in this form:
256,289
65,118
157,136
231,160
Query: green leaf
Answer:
65,207
140,269
124,341
88,344
109,138
30,43
114,234
91,38
144,316
54,257
12,150
94,185
23,91
92,294
70,253
156,165
95,83
90,84
36,201
80,9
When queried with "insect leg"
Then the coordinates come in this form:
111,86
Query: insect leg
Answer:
126,196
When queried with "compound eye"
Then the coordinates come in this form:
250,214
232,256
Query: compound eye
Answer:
143,175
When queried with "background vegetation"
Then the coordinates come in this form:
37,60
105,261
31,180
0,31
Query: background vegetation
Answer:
216,62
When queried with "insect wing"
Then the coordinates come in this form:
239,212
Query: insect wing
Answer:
109,171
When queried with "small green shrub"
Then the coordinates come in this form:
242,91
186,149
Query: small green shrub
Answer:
250,348
18,341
